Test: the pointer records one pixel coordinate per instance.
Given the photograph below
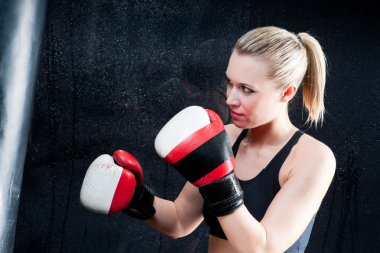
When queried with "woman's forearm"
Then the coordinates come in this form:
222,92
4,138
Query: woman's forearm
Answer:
181,217
166,219
244,233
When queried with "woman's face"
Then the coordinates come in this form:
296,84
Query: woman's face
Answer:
253,99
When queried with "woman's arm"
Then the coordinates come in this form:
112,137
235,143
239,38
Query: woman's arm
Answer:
290,211
181,217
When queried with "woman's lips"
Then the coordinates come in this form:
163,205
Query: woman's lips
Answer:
235,114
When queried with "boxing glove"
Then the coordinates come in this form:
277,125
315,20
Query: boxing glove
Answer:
108,188
195,142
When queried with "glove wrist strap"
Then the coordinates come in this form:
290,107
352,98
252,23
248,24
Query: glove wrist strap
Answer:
141,206
224,196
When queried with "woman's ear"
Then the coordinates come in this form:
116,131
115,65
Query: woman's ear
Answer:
288,93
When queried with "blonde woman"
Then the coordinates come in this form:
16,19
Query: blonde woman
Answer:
268,203
283,172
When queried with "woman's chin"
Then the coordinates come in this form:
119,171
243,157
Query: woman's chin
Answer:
239,124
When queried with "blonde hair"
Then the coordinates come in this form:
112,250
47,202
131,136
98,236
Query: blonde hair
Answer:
294,59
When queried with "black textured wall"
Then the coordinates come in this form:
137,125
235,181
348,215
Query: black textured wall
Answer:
113,72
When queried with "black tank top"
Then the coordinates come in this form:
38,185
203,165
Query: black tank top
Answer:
260,191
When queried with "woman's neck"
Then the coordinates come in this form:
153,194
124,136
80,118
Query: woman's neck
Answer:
273,133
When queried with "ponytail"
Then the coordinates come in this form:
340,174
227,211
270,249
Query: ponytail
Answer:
314,79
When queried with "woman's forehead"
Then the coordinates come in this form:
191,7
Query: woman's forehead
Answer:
245,68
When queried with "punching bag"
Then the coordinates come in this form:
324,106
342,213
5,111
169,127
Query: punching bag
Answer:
21,25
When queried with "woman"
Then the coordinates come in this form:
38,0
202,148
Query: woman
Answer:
284,173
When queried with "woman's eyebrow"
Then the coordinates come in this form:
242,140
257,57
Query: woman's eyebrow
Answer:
244,84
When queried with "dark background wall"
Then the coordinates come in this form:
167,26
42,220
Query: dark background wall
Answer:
113,72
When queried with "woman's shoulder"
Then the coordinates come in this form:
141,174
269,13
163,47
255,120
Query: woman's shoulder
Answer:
313,151
311,143
232,132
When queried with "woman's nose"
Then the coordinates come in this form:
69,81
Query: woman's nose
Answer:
232,97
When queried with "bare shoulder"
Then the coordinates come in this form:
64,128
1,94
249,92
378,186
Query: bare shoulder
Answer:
232,132
314,154
316,148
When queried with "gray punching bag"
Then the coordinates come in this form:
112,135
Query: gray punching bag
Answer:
21,25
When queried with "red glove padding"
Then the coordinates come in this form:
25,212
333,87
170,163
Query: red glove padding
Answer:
141,206
129,162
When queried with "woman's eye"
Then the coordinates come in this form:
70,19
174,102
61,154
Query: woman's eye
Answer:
246,90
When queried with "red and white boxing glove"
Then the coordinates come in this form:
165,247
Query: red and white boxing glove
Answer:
109,187
195,142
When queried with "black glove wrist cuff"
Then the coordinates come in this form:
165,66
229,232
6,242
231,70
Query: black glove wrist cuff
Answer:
222,197
141,206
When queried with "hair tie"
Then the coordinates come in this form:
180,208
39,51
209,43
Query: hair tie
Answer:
299,38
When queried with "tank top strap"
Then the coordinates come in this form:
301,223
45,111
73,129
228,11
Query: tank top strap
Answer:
236,145
281,156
